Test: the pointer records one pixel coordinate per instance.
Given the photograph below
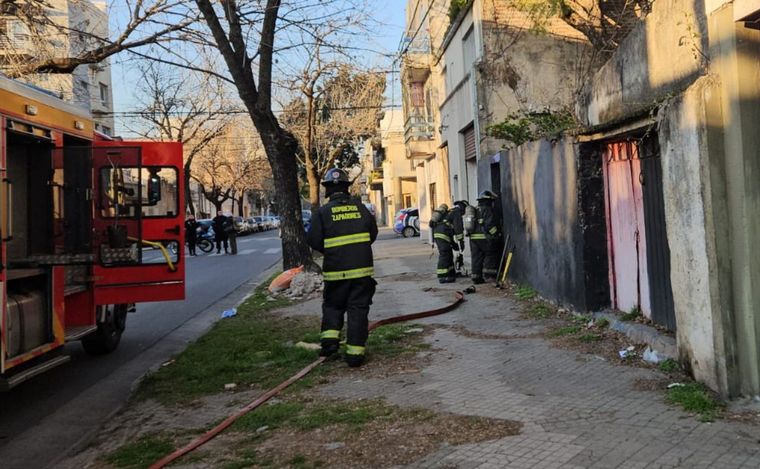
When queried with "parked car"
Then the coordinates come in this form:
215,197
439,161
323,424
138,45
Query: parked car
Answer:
276,221
407,222
262,222
254,227
241,225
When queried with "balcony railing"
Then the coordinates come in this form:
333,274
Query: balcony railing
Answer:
418,128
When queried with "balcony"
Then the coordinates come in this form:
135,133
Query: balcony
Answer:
419,138
376,179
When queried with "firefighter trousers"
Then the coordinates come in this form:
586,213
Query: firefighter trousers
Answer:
352,297
485,258
445,268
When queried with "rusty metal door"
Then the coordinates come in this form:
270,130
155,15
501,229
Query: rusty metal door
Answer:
639,257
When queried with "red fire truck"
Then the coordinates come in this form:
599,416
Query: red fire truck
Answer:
90,226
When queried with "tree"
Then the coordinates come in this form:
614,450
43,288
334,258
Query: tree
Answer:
61,43
244,34
604,22
213,170
189,108
337,110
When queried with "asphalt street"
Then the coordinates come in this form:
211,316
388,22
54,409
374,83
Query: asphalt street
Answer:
45,417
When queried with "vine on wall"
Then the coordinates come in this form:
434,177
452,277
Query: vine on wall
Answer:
519,128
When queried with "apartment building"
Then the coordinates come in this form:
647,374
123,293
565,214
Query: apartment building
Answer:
77,21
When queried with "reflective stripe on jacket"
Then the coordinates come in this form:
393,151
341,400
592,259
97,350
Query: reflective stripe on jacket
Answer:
343,230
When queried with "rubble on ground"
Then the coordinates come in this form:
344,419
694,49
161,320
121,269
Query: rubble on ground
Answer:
304,285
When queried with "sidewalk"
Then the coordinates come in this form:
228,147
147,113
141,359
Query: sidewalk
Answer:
577,410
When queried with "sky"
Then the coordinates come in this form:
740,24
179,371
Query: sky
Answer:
124,76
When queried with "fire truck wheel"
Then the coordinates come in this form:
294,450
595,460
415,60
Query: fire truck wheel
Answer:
107,337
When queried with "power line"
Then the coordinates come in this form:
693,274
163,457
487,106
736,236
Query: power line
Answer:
137,113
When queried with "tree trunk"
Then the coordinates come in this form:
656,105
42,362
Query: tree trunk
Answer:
311,168
281,150
240,204
189,204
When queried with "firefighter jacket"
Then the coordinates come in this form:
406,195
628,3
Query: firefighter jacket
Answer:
451,229
344,230
489,223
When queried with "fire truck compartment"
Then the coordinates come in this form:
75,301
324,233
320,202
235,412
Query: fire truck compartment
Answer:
29,173
27,315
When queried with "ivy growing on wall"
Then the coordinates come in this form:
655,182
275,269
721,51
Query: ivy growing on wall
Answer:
519,128
455,7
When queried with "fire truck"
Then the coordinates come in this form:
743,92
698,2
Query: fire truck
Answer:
89,227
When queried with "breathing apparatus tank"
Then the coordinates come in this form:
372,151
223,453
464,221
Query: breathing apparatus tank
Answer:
470,219
438,215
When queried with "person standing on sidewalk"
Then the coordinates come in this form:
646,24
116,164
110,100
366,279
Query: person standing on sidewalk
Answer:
220,236
344,230
191,233
485,240
231,232
449,237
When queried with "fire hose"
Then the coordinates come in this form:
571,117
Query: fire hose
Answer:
206,437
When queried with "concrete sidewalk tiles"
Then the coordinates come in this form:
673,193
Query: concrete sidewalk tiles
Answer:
577,410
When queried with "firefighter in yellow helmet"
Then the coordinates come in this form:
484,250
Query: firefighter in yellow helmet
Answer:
448,235
344,230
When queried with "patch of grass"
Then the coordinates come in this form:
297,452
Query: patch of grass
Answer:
694,397
602,323
669,366
271,415
247,457
525,292
588,338
141,453
351,414
540,311
567,330
391,340
582,319
631,315
253,347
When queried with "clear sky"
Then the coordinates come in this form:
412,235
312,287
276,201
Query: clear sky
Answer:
389,13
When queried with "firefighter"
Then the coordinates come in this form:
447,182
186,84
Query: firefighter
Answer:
344,230
485,239
443,235
457,220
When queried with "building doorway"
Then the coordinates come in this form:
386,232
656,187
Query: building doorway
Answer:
639,256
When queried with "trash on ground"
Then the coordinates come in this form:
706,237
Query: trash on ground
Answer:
229,313
651,356
282,281
470,290
414,330
168,363
308,346
334,446
262,429
230,386
628,352
675,385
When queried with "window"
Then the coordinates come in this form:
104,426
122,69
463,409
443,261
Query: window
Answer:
417,90
407,200
152,190
469,55
104,94
433,197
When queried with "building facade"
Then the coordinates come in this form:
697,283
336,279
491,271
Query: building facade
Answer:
650,203
76,21
422,87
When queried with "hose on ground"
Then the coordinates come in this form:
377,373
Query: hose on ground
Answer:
206,437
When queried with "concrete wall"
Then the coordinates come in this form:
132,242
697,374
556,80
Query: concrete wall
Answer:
543,188
659,58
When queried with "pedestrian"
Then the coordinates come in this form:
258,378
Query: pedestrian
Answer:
485,239
231,232
344,230
220,236
191,233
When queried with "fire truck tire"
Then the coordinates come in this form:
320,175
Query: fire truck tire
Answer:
106,339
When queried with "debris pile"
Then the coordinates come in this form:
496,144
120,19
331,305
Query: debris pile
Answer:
305,285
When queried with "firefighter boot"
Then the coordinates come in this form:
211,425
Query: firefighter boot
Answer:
329,347
355,361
